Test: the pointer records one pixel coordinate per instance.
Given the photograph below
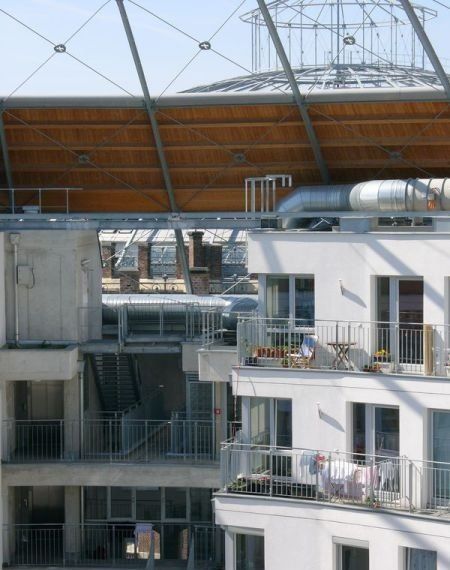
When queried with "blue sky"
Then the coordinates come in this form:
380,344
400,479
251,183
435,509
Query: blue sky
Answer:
102,45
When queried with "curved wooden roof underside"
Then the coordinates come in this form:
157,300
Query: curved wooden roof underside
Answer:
212,149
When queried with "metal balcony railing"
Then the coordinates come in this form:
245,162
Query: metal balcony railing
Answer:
389,347
108,545
372,481
119,439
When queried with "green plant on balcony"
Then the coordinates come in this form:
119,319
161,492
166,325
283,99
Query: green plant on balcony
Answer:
382,355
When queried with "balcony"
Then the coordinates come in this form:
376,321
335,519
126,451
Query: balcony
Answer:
375,347
115,440
39,361
368,481
107,545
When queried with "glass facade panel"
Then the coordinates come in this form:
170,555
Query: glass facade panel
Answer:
148,505
387,430
359,430
201,507
249,552
121,503
175,503
284,423
95,503
353,558
277,300
260,421
441,452
418,559
304,300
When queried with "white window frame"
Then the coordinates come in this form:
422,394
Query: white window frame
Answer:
292,278
339,542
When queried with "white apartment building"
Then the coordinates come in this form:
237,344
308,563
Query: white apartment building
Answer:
343,461
109,442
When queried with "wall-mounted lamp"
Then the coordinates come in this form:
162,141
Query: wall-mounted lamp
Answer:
319,410
341,286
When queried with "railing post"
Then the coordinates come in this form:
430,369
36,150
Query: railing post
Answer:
146,440
61,440
410,485
195,440
113,557
336,356
270,472
183,423
348,346
110,440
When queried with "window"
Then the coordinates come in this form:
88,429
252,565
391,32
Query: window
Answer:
290,297
148,504
441,452
163,261
249,552
201,508
418,559
304,299
277,297
352,557
95,503
121,503
234,260
127,257
271,422
175,503
283,415
376,430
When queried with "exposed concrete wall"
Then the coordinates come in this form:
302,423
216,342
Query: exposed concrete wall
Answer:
110,475
61,280
2,291
215,364
38,364
189,356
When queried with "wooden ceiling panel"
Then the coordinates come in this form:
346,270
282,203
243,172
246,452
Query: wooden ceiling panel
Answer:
203,144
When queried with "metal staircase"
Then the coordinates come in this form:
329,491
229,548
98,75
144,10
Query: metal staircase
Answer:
117,380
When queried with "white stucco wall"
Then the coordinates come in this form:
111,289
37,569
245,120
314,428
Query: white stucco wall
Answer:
336,391
356,259
300,535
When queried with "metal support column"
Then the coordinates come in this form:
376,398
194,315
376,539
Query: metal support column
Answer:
296,92
427,46
6,161
158,141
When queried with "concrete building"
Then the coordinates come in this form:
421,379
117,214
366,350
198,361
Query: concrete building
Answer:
109,441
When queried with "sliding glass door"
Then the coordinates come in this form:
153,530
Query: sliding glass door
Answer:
400,319
441,453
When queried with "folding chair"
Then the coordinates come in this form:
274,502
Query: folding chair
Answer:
306,354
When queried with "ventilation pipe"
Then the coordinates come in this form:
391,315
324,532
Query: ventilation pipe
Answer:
14,240
412,195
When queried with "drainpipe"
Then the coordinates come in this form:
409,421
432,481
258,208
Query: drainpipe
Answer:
14,239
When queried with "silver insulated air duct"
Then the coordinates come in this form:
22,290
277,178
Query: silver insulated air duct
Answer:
413,195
